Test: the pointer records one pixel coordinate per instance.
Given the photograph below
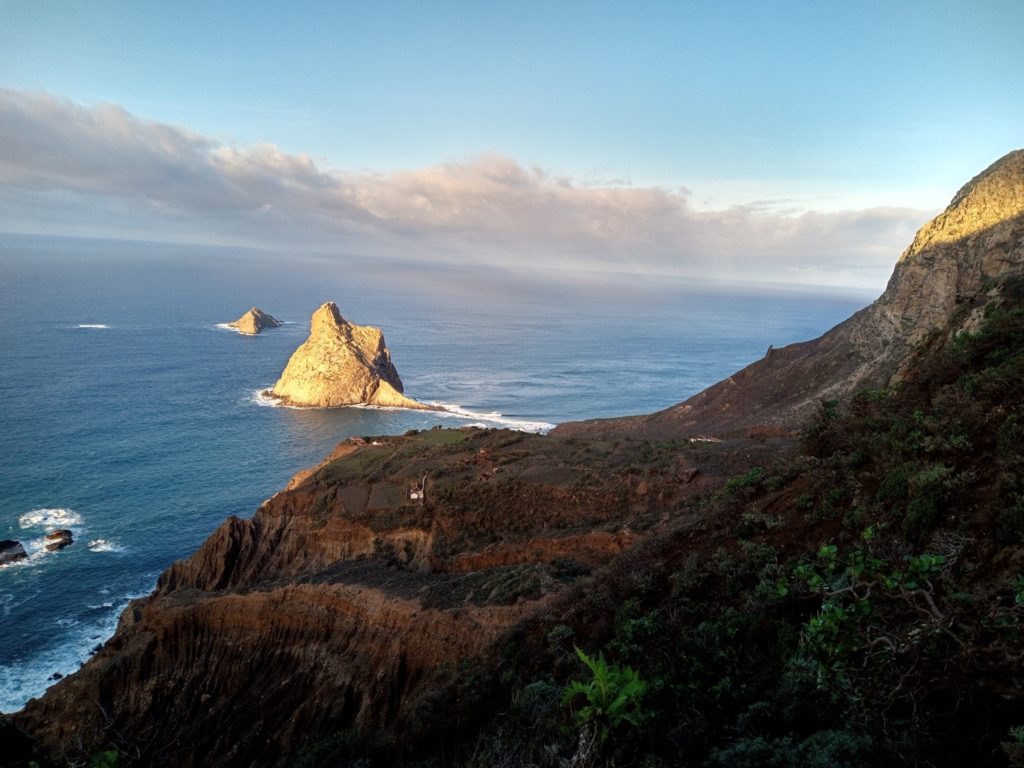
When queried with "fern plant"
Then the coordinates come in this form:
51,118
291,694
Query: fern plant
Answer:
613,695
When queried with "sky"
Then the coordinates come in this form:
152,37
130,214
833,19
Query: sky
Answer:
794,142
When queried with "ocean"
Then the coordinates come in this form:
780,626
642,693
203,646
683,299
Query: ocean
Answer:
129,415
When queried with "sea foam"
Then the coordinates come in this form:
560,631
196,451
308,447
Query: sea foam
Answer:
50,518
104,545
492,419
261,397
92,325
26,678
264,399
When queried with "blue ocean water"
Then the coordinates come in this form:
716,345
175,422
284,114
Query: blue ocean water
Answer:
129,416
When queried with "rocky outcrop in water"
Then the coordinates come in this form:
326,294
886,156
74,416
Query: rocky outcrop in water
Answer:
58,539
341,363
952,259
254,321
11,551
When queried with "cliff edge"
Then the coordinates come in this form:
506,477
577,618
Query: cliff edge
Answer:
952,259
341,363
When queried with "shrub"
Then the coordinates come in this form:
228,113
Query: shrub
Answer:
613,695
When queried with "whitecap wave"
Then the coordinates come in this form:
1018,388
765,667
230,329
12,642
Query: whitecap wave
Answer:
50,518
25,678
485,420
93,325
229,327
104,545
492,419
264,399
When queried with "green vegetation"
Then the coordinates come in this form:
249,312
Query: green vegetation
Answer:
613,695
108,759
860,603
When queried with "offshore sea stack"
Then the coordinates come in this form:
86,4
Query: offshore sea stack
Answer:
952,260
254,321
341,364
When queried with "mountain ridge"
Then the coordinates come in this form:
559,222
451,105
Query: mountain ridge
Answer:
979,235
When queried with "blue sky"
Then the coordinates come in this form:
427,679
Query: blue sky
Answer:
786,107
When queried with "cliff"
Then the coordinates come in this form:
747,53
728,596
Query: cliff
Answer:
341,599
341,364
254,321
978,237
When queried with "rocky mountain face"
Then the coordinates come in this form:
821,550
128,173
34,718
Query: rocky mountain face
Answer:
254,321
978,237
334,606
341,364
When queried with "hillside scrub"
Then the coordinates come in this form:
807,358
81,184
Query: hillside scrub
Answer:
859,602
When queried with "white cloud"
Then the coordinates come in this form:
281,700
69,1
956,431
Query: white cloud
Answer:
66,168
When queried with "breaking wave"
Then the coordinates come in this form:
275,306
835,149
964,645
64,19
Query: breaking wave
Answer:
104,545
50,518
25,678
492,418
92,325
261,398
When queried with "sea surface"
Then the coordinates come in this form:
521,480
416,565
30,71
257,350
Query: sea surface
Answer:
131,416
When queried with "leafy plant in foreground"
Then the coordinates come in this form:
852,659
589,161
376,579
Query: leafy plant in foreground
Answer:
613,695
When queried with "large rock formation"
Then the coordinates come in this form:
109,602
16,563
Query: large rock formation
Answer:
341,364
979,236
254,321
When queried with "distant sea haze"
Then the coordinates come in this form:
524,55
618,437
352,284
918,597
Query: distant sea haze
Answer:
133,418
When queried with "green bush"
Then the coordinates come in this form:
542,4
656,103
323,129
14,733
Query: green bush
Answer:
747,480
613,695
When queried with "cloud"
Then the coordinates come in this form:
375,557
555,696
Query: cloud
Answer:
66,168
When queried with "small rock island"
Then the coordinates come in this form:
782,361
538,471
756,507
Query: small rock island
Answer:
341,364
254,321
58,539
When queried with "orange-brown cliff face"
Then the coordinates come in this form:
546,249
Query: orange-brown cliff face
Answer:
329,608
979,236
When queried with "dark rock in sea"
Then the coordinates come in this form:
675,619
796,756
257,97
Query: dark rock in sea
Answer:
58,539
11,551
56,676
